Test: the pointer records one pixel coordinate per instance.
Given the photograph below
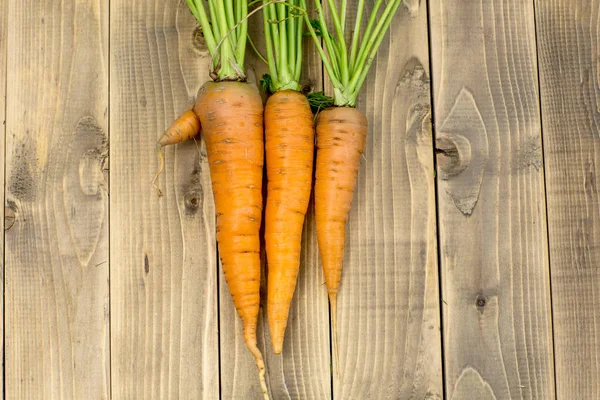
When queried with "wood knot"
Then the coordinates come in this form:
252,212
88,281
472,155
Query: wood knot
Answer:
85,187
192,201
198,41
453,154
91,172
463,152
10,212
480,301
413,7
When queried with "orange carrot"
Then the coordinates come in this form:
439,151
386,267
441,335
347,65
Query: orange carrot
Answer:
341,131
231,114
289,145
289,137
341,135
183,128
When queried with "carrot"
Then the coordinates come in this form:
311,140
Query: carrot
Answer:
232,118
231,115
342,129
341,135
289,138
182,129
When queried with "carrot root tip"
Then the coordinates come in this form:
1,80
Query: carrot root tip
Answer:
260,364
161,156
334,333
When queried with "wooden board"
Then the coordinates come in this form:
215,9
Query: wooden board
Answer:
3,34
303,370
568,51
164,338
388,304
57,327
493,237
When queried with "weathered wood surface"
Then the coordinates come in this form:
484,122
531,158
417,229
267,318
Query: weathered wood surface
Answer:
303,370
493,237
164,323
388,304
9,216
169,329
569,64
56,252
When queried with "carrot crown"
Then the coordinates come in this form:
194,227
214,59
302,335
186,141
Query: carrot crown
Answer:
283,27
225,29
347,64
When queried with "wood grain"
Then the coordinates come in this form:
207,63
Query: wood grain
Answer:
569,63
493,237
303,370
388,304
57,343
8,215
164,324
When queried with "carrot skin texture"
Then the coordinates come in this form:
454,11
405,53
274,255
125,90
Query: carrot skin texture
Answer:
231,114
341,137
183,128
289,145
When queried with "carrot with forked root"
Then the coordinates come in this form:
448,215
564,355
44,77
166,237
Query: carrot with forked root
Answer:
231,114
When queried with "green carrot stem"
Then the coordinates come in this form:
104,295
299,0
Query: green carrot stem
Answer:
269,44
348,72
256,51
283,31
374,41
356,34
341,42
332,49
240,51
223,26
292,25
283,35
203,19
298,49
327,62
343,16
368,29
212,7
229,13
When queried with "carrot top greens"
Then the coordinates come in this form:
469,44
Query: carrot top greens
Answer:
225,29
347,64
283,34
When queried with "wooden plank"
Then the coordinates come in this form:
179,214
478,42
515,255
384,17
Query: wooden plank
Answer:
9,216
388,304
569,51
164,287
303,370
493,238
57,327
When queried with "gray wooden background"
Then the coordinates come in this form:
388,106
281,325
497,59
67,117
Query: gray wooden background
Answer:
473,262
